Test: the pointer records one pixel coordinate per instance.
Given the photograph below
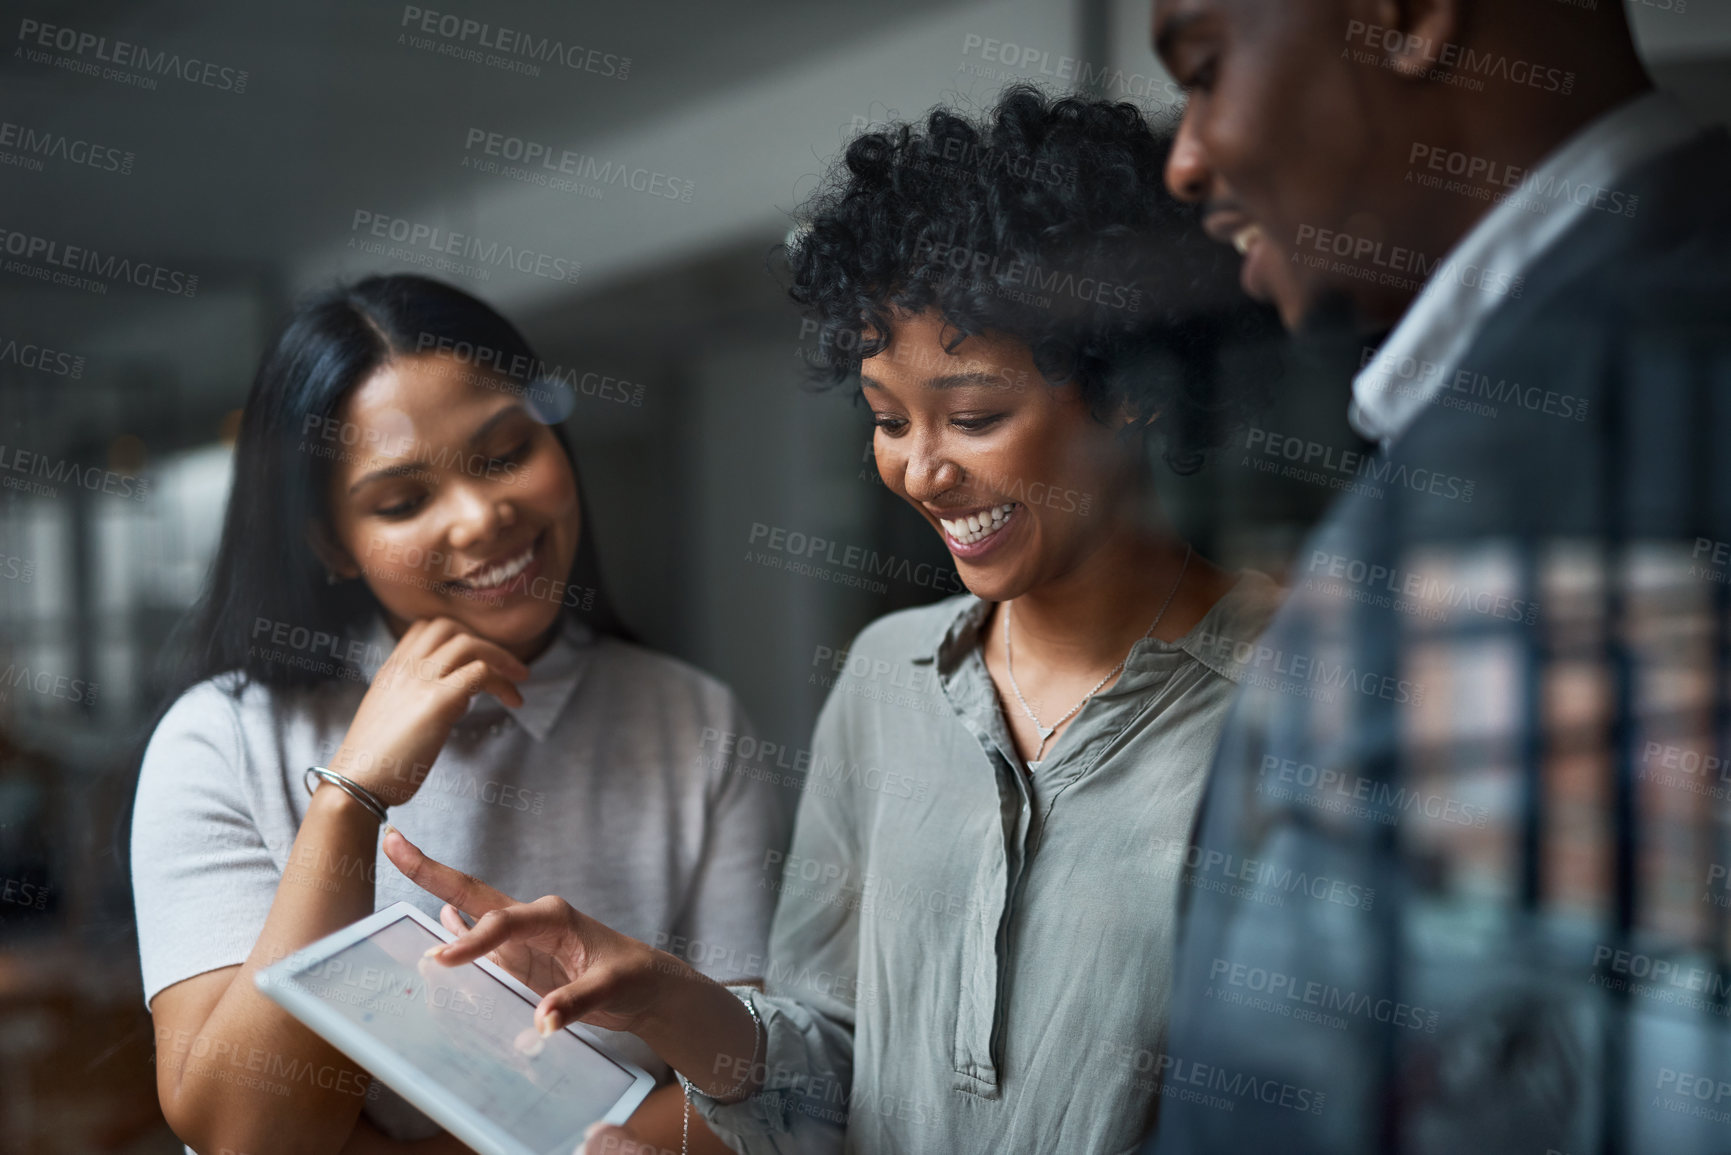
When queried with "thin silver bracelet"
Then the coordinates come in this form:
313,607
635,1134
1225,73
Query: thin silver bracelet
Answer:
757,1041
347,785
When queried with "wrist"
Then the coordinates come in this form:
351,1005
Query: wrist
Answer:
720,1038
330,804
671,983
390,779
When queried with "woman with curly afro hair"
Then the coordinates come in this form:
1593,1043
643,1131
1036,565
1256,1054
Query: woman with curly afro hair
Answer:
971,941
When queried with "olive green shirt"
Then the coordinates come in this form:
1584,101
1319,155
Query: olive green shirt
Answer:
969,955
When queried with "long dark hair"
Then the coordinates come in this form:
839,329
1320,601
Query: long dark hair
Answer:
266,569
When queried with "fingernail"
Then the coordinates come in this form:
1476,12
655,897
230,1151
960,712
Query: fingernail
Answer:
593,1127
432,950
545,1026
389,829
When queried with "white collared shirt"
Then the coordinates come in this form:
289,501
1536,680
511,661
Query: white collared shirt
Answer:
1414,365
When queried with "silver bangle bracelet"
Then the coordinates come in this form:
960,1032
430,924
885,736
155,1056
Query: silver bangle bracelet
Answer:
368,800
757,1041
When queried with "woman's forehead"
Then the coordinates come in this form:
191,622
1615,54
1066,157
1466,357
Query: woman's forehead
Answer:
423,387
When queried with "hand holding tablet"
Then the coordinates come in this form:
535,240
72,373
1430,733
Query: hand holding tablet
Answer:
588,972
460,1043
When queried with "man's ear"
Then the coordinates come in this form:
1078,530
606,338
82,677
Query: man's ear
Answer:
336,559
1414,35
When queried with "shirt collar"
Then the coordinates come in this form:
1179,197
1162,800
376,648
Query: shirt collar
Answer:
956,634
1242,612
553,675
1447,316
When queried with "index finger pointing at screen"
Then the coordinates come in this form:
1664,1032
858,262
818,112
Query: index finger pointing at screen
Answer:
463,891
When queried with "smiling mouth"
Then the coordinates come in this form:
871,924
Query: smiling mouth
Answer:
496,575
1227,222
1250,241
977,527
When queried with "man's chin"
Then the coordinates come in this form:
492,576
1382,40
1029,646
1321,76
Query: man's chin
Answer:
1323,315
1332,335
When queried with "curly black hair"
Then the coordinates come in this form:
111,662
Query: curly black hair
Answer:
1048,221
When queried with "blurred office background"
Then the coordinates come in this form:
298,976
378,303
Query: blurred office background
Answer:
348,111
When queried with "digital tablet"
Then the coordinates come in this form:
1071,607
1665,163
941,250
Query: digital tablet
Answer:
457,1042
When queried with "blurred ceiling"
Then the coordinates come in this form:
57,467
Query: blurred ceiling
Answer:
337,109
256,191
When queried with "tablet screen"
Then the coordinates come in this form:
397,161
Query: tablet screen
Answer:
471,1035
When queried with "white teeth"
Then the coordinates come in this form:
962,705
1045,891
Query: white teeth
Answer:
1242,239
500,574
977,527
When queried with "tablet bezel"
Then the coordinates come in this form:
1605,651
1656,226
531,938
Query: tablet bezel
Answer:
277,983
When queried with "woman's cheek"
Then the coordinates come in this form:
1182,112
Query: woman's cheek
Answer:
546,482
403,563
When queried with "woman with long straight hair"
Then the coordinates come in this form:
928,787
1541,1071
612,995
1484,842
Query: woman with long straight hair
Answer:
406,612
